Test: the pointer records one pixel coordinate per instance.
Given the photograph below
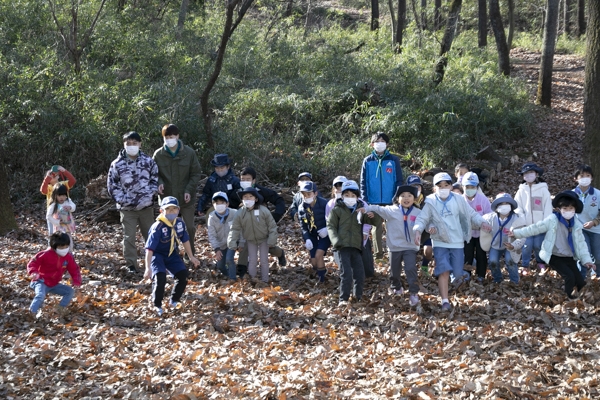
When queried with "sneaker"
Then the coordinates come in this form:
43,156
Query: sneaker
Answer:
446,307
413,300
159,311
399,292
479,280
543,269
343,303
175,304
282,260
132,269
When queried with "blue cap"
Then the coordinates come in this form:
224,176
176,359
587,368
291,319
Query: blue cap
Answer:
442,176
339,179
220,195
470,178
350,185
168,202
307,174
414,180
308,186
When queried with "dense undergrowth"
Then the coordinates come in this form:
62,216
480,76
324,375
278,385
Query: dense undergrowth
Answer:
288,98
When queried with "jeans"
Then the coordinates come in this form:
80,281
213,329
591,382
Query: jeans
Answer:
158,287
449,260
511,266
227,264
352,275
410,269
532,243
130,220
41,290
593,243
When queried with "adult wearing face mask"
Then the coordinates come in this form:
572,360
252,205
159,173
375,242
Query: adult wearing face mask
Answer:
380,176
179,173
221,180
132,182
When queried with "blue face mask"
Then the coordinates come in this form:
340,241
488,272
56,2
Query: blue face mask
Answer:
171,217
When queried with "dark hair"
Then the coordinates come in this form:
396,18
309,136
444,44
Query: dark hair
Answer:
380,135
170,130
581,169
59,189
461,165
133,135
566,202
59,239
457,186
248,171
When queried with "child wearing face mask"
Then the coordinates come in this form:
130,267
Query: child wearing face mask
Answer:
298,199
563,242
533,198
481,204
162,254
56,174
60,212
221,180
589,217
345,229
311,214
400,219
47,269
498,243
448,218
218,224
254,224
416,182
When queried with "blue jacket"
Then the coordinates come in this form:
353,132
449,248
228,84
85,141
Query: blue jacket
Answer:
318,209
379,178
228,184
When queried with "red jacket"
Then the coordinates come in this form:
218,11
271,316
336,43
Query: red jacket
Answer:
51,267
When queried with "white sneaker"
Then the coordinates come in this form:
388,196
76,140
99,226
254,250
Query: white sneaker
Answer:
399,292
159,311
175,304
413,300
343,303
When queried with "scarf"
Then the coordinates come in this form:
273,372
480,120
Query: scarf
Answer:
502,225
224,216
173,154
309,218
406,228
569,224
583,195
444,205
380,160
162,218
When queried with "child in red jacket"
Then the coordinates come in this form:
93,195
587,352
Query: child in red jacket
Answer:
47,269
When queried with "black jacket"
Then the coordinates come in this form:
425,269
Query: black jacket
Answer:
269,196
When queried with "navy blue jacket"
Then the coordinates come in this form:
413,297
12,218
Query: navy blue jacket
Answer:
228,184
318,209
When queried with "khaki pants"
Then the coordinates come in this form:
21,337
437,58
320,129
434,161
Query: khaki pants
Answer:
130,220
377,232
243,254
187,212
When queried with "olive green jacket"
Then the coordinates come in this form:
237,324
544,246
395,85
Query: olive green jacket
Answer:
255,226
180,174
344,227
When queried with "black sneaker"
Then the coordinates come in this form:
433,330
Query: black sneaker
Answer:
132,269
282,260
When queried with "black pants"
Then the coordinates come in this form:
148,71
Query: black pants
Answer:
473,250
352,273
567,268
158,286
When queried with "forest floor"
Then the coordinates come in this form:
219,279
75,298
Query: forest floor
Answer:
290,340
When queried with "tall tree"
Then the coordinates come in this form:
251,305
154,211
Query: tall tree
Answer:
591,102
482,23
580,17
511,23
69,28
400,26
544,90
7,217
437,14
501,45
567,17
424,14
451,24
374,15
181,20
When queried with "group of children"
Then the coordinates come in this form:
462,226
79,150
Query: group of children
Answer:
454,226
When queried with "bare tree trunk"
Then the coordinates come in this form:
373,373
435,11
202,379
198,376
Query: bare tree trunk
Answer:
544,91
451,24
7,217
482,23
418,21
206,114
580,17
437,15
374,15
401,24
511,23
181,20
591,102
567,17
289,8
394,26
424,14
501,45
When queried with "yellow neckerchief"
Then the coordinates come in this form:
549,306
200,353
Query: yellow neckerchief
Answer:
309,219
162,218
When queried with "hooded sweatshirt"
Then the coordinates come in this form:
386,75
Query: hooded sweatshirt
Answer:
534,202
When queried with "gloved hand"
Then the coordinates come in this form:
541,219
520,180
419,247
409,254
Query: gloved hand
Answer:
308,245
323,232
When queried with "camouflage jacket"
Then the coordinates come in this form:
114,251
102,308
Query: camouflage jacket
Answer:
132,183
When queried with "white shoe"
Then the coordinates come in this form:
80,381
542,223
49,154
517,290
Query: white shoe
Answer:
175,304
343,303
399,292
413,300
159,311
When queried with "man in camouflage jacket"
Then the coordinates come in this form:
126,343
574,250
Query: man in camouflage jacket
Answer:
132,183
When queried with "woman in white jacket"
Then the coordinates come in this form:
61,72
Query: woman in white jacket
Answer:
564,243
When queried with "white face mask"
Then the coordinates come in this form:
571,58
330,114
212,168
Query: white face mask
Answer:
309,200
245,184
220,208
62,252
443,193
350,201
249,203
470,192
585,182
529,177
504,209
221,172
379,147
567,214
171,142
132,150
338,196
